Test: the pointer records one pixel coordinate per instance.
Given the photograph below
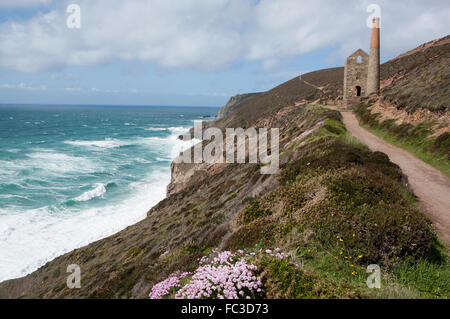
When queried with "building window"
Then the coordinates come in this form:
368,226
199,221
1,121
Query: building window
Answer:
358,90
359,59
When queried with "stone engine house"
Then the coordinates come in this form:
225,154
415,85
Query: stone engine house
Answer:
362,71
355,76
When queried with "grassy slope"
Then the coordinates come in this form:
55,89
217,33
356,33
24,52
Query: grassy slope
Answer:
288,93
423,80
413,138
328,186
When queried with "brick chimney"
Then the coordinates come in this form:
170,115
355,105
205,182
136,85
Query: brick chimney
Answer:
373,74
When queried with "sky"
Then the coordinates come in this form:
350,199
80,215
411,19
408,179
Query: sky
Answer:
190,52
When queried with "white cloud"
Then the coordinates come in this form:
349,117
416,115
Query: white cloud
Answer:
11,4
23,86
209,35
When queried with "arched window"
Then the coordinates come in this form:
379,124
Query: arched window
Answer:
358,90
359,59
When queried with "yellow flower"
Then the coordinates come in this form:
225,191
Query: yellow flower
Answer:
354,273
340,239
341,252
354,235
351,265
337,236
309,250
360,256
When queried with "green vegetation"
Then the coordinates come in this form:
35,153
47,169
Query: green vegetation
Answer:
341,207
431,280
413,138
282,279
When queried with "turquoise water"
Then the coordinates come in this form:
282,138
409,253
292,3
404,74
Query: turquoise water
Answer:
70,175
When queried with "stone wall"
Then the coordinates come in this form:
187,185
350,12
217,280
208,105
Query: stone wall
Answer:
355,75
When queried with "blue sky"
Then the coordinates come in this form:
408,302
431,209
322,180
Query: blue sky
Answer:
190,52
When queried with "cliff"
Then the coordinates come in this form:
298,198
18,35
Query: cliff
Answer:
334,207
234,103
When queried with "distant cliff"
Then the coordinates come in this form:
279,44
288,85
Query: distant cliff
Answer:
234,103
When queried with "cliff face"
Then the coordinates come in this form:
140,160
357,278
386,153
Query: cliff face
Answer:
184,175
234,103
332,198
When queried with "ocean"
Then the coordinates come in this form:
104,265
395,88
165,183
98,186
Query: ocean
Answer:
71,175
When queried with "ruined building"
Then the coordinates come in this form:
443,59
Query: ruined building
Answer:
362,70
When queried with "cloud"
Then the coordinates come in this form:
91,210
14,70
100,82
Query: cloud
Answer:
210,35
13,4
70,89
23,86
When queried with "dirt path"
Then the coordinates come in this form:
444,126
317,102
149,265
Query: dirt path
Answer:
430,185
310,84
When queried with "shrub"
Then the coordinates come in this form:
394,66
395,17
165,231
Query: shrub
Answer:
253,211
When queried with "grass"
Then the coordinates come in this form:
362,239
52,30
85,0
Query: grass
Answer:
413,138
439,162
321,273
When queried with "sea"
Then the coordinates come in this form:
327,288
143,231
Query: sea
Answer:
71,175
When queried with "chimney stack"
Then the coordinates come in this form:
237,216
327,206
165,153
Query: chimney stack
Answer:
373,76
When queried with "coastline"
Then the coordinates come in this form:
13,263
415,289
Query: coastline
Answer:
149,192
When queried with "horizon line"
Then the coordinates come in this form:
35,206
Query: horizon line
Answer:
131,105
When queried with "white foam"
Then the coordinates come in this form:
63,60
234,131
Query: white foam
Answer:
107,143
177,129
98,191
156,129
52,162
142,161
29,239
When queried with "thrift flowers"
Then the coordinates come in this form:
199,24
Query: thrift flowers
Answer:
223,275
163,288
